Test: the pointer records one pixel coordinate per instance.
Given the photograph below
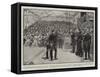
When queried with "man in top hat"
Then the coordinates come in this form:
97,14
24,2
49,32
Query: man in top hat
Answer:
53,45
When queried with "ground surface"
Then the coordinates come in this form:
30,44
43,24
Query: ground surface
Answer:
36,55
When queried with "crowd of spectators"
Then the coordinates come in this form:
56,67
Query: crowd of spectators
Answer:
37,33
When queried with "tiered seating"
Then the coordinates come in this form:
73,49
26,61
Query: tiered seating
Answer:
42,28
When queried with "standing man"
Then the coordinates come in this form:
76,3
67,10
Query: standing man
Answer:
53,45
73,42
47,47
86,45
79,44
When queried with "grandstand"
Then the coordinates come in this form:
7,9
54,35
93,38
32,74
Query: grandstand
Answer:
38,28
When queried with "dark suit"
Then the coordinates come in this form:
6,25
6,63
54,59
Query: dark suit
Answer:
53,45
79,45
86,45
